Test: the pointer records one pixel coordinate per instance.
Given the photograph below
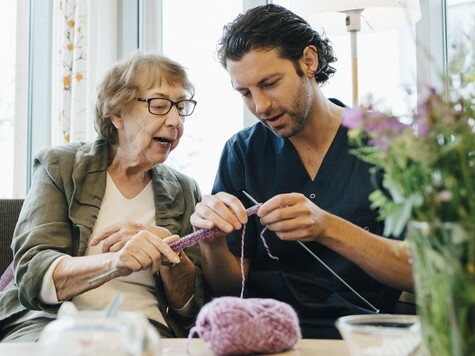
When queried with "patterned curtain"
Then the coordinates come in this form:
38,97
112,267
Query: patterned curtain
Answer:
70,102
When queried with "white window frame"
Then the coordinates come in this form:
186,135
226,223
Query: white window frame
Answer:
21,139
431,36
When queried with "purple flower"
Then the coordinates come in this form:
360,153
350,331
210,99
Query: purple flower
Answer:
371,121
382,143
380,123
379,126
422,128
352,118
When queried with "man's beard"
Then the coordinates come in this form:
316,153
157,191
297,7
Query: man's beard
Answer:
298,114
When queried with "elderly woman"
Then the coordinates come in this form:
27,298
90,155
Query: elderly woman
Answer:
111,204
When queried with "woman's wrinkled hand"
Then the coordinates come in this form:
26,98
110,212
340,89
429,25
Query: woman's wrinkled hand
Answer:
145,251
116,236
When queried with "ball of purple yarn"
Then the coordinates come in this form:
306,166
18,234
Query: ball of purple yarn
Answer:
231,325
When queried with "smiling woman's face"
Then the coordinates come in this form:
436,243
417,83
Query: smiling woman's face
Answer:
145,138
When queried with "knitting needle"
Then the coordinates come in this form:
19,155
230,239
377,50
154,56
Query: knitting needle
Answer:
104,275
323,263
114,305
185,242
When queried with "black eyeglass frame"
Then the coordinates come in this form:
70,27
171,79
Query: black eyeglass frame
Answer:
173,103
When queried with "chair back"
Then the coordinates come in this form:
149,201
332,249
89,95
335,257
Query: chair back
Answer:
9,212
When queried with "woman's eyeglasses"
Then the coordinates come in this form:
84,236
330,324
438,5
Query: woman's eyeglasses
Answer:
162,106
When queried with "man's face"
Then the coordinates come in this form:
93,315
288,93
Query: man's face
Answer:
272,90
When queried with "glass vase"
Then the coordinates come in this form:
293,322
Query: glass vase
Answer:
444,273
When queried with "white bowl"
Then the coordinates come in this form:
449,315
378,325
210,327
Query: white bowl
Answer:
380,334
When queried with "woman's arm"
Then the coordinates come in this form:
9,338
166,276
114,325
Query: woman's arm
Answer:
178,281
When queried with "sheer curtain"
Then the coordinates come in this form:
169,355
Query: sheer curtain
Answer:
84,47
70,70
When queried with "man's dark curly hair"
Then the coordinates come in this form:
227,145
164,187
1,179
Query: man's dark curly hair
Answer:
272,26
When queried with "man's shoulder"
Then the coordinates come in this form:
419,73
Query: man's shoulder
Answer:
338,102
256,129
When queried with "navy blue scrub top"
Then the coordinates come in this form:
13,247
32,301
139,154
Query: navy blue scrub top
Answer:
264,165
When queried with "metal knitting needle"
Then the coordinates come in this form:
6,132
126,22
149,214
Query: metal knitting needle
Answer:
104,275
114,305
324,264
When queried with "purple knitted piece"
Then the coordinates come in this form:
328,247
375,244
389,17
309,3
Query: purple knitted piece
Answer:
6,278
231,325
191,239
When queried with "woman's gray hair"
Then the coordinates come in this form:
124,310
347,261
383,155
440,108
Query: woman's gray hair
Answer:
122,84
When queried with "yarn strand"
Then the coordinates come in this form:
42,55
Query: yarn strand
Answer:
243,276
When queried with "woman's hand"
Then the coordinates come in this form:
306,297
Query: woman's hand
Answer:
143,251
116,236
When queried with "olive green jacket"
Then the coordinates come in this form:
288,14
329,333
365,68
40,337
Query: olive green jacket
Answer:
58,217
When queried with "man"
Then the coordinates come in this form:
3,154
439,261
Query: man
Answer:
296,162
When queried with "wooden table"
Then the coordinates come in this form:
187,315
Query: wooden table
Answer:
197,347
305,347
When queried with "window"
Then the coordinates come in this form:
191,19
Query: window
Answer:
460,14
187,31
386,59
191,40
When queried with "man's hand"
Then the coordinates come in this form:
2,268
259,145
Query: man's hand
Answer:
222,210
293,217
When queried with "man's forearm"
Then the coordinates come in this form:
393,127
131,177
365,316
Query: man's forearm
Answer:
386,260
221,268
